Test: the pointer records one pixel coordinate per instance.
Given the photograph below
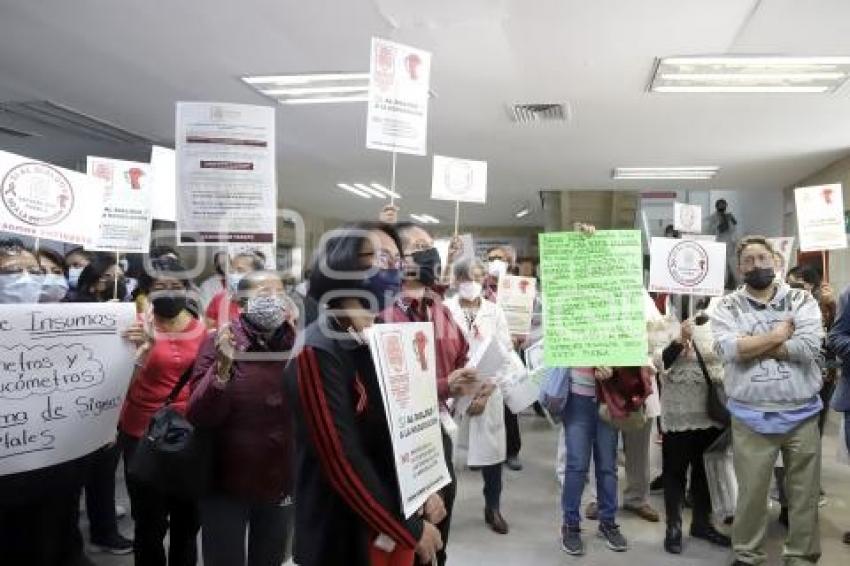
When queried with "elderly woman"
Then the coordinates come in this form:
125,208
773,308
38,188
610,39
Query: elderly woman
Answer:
481,414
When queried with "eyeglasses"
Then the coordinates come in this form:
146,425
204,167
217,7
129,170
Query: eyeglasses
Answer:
384,259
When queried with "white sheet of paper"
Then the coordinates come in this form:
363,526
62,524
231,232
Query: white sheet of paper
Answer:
405,364
785,246
687,217
126,222
516,296
687,267
463,180
164,170
41,200
520,392
227,188
489,358
399,79
820,218
64,371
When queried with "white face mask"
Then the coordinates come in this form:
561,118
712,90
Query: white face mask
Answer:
53,289
302,288
497,268
74,276
233,280
20,288
469,290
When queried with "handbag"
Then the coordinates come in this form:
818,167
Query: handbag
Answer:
173,456
715,407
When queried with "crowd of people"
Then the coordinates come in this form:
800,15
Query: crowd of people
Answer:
279,373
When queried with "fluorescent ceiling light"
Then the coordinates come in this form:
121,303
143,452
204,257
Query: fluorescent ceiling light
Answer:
306,78
313,90
698,173
750,74
431,219
419,219
324,100
350,189
385,190
522,213
317,88
369,190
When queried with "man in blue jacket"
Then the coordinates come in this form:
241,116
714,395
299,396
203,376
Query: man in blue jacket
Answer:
839,341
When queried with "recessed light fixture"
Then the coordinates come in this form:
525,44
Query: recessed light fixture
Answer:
522,213
425,218
350,189
750,74
316,88
385,190
368,191
697,173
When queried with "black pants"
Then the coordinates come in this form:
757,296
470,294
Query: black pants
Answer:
492,486
513,440
156,514
100,493
679,451
448,494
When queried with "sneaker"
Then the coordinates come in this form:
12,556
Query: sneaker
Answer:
591,512
120,511
613,537
571,541
116,544
513,463
846,538
644,511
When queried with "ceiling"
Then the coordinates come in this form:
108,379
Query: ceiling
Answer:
128,62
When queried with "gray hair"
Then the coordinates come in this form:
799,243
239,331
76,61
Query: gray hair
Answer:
462,269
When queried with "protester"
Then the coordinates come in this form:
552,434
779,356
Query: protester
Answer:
241,402
348,510
839,341
215,283
723,224
76,260
769,337
55,286
240,264
482,422
167,345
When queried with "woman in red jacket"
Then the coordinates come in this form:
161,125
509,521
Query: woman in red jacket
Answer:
237,393
168,343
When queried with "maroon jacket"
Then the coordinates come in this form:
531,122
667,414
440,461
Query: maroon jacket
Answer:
250,417
626,391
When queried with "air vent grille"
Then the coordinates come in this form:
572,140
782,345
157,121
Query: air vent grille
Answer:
548,112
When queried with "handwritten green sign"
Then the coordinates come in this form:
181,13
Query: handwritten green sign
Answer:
593,299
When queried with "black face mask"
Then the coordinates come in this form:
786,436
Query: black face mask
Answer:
109,294
429,266
168,306
760,278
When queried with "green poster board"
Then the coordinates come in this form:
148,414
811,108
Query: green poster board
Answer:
593,299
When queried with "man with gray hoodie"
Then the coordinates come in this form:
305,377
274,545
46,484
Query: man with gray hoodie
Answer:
769,337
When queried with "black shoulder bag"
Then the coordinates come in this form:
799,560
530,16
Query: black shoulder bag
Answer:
173,456
715,407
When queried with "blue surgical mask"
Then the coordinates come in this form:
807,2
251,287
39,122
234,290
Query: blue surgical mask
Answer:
384,285
20,288
53,288
233,280
74,276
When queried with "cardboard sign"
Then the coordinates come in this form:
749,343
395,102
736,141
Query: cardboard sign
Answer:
126,222
516,297
687,218
785,247
399,78
687,267
405,363
226,174
820,218
593,298
44,201
164,171
461,180
64,371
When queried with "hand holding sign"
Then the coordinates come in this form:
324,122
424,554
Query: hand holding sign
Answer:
225,348
463,381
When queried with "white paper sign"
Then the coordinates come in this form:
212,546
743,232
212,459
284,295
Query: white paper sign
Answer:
227,192
459,180
44,201
700,237
820,218
687,217
164,170
516,297
405,363
399,78
64,371
687,267
785,246
126,222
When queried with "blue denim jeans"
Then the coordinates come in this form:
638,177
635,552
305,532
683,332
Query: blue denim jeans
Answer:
584,432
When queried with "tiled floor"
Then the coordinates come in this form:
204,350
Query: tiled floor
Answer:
530,504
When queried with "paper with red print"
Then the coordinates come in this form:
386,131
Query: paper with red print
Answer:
126,221
516,297
820,218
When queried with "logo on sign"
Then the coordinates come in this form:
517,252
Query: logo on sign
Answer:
687,218
687,263
385,65
395,354
420,344
134,175
458,177
37,194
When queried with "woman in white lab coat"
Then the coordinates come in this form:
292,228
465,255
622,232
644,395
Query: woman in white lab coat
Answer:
482,419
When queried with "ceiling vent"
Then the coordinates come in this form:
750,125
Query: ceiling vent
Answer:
530,113
45,118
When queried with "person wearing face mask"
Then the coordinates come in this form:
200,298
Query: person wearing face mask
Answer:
167,342
481,414
422,301
55,286
348,511
250,417
216,282
240,264
76,260
769,337
101,280
39,509
723,224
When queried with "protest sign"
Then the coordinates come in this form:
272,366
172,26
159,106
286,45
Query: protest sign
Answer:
64,371
461,180
126,222
687,217
593,299
397,119
164,172
785,247
227,192
516,297
687,267
820,218
44,201
405,364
